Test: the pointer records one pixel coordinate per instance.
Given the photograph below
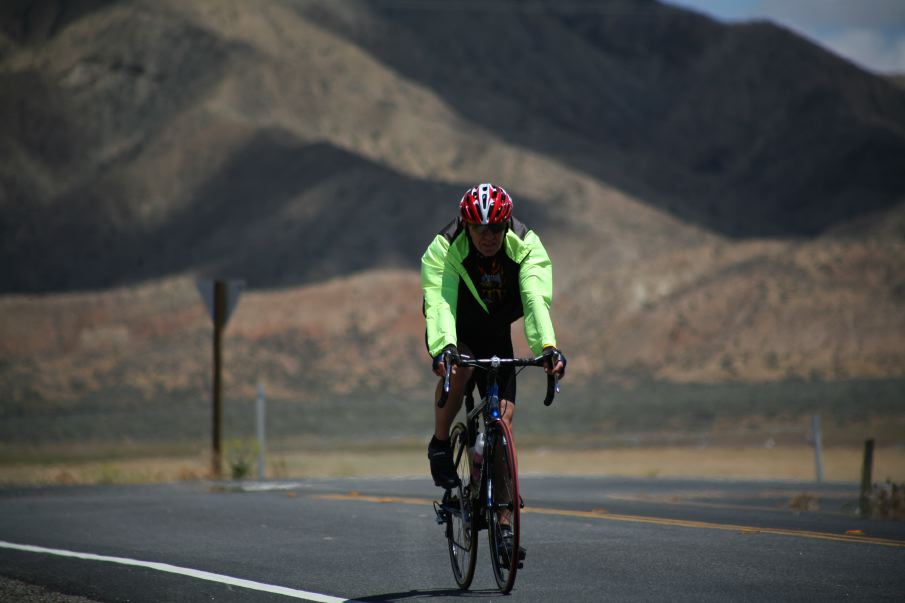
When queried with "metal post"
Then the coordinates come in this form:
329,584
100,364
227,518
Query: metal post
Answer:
262,432
818,447
867,470
219,322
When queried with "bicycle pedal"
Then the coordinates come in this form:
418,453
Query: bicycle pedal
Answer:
442,515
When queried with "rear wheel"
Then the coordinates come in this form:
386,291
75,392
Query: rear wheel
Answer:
461,534
503,510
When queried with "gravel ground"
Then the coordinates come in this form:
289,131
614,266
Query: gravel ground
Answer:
13,590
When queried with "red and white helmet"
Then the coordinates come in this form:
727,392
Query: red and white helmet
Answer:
486,204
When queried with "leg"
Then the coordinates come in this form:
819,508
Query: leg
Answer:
439,451
503,515
444,417
507,411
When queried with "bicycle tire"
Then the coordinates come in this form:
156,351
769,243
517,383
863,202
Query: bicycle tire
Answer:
461,534
503,476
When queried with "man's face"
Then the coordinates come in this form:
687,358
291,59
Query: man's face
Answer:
487,238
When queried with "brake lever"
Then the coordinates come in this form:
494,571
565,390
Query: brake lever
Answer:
444,394
552,384
552,388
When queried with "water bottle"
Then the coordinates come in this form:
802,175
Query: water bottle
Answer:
477,458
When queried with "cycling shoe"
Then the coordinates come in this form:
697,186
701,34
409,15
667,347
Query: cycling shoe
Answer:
442,469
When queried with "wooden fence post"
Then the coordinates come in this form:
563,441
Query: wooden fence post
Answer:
866,478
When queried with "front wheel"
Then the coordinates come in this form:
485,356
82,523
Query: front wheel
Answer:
461,532
503,507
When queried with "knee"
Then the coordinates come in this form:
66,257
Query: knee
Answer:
460,379
507,411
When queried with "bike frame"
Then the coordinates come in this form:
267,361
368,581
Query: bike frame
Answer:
489,411
489,406
483,500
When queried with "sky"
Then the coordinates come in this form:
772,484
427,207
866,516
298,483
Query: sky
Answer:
870,33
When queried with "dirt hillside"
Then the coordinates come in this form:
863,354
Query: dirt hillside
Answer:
723,204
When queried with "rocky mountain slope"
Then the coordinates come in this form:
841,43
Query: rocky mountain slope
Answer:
212,137
722,203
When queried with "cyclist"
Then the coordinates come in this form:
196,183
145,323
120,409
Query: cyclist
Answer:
481,273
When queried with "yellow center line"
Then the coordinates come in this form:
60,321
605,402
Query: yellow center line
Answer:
684,523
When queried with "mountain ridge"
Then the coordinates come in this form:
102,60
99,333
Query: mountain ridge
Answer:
172,89
314,149
712,90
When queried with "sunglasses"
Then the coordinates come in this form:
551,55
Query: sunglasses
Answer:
480,229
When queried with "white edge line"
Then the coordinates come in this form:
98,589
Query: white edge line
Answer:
183,571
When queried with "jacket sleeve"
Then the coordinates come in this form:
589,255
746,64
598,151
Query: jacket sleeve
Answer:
440,284
536,285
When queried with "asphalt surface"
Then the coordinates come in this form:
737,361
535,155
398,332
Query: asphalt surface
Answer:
588,539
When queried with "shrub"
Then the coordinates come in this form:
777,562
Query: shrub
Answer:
240,455
887,500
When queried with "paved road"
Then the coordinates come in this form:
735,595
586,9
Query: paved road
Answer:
588,539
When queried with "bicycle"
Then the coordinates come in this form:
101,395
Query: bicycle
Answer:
489,499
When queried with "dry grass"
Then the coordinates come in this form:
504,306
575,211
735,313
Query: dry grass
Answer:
785,463
131,471
780,463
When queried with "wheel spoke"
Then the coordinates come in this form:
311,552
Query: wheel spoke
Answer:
461,534
503,513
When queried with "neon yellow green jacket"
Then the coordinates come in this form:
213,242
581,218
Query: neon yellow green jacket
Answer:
442,271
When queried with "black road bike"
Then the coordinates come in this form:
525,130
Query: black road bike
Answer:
487,498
